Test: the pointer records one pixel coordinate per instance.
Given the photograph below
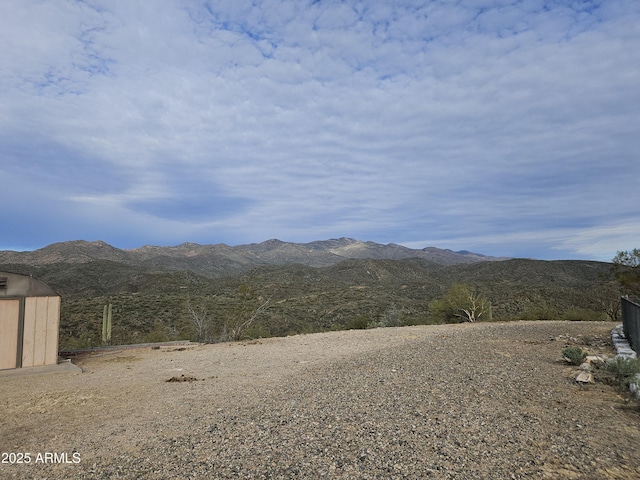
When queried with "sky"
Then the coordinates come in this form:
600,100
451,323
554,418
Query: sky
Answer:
507,128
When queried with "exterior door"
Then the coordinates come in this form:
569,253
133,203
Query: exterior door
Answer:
9,323
40,335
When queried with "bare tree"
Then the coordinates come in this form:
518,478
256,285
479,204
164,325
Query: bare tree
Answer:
606,297
237,320
234,328
462,303
201,321
476,306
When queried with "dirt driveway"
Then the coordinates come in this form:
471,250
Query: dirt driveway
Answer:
453,401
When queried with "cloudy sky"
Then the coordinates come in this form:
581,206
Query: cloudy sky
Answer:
498,126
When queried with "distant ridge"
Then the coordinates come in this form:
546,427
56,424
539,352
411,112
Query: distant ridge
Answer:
311,287
215,260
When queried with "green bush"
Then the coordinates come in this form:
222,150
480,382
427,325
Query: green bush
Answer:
420,320
257,331
574,355
157,334
79,343
621,371
582,315
358,323
540,311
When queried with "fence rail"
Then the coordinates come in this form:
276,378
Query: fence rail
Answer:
631,323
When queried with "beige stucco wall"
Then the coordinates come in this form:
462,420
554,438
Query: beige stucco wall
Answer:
9,318
29,322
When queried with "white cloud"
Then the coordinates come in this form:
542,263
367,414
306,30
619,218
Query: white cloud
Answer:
380,121
603,242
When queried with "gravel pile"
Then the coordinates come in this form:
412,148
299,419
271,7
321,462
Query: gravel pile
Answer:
479,401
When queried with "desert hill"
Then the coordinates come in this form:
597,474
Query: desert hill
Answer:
220,259
319,286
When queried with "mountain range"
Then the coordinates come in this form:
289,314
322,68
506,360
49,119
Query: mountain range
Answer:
317,286
220,260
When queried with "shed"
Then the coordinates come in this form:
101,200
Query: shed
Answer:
29,322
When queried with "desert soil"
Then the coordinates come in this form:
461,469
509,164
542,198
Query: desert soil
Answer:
467,401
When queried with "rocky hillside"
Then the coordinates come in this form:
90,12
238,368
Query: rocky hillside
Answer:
221,260
319,286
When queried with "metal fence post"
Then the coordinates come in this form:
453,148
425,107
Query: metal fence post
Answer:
631,322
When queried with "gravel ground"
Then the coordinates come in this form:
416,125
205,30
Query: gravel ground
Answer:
491,401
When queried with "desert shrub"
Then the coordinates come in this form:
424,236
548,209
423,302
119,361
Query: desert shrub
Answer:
409,319
582,314
541,311
257,331
460,304
359,322
79,343
421,320
574,355
392,317
620,372
157,334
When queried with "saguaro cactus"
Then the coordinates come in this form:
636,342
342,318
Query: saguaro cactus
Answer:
106,324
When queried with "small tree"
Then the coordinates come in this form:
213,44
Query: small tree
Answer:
460,303
201,321
607,299
250,308
235,327
626,269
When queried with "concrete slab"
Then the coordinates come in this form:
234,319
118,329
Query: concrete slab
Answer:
64,366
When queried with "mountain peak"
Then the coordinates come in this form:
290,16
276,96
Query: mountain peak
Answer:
221,259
